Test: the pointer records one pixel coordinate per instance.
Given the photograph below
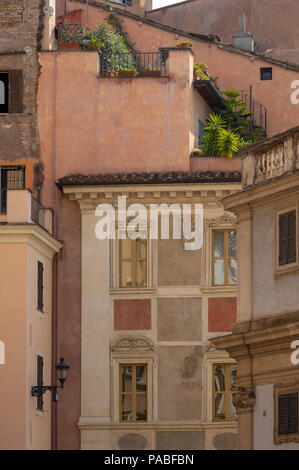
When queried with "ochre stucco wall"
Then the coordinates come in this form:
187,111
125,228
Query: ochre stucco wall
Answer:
232,69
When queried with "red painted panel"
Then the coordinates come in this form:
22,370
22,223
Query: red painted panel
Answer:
132,314
74,17
222,313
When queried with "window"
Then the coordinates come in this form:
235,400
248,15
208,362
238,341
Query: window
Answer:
224,257
40,286
40,381
11,177
224,378
133,392
201,131
133,263
287,238
266,73
288,414
11,91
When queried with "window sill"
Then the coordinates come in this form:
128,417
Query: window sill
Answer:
283,438
220,290
286,269
132,290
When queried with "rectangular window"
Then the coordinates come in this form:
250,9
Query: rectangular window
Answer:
224,257
266,73
133,393
201,131
133,263
40,286
11,91
288,414
11,177
40,381
287,238
224,378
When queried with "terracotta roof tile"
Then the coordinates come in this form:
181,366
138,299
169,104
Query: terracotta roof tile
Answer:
173,177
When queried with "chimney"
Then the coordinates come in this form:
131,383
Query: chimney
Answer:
244,40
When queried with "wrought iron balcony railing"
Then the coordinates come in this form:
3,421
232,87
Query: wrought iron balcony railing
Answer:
258,111
133,65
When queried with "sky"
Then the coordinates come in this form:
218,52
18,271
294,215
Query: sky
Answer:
162,3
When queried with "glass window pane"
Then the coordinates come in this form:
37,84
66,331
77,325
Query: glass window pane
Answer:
126,248
232,243
232,409
140,273
126,408
220,406
218,244
220,378
232,376
219,272
126,375
232,271
141,407
126,275
141,249
141,378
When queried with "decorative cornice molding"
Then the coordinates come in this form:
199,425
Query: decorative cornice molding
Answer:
129,344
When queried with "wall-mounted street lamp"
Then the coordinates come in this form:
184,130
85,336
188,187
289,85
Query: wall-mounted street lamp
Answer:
62,372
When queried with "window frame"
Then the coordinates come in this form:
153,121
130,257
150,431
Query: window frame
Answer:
133,260
281,390
133,393
3,206
266,70
40,287
226,258
39,381
13,90
283,269
227,392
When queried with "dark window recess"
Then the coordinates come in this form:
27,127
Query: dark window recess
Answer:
288,414
201,131
266,73
11,177
40,286
127,2
3,92
287,238
40,381
11,91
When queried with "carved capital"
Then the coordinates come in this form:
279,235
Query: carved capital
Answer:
244,399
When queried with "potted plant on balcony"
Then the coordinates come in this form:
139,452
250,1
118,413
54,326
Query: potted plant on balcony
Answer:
92,42
184,45
69,36
149,72
128,72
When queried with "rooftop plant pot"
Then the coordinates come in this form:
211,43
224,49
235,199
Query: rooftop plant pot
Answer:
127,73
151,73
184,46
69,45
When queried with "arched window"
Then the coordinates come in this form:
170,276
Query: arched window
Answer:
2,92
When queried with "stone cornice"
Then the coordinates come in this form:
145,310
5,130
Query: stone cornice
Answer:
31,234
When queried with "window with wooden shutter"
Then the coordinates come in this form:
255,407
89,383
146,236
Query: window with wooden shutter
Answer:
16,91
288,414
287,238
40,286
40,381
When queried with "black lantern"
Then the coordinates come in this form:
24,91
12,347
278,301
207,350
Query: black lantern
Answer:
62,372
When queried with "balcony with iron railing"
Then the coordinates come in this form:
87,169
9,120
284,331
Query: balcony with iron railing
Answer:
258,112
133,64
